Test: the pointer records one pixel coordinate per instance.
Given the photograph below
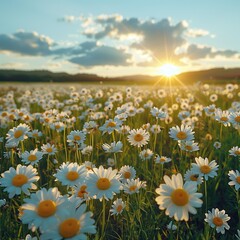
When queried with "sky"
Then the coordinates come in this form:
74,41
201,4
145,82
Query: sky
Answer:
115,38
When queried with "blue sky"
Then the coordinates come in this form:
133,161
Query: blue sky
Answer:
112,38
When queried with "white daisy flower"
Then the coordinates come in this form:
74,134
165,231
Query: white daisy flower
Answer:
32,157
190,176
76,137
139,137
234,118
117,206
72,224
234,151
217,145
34,134
146,154
127,172
20,179
71,174
103,183
162,159
234,176
113,147
48,149
18,133
177,198
87,150
183,133
41,209
80,190
188,146
111,125
217,219
133,186
222,117
204,168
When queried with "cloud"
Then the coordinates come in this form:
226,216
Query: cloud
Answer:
195,51
102,55
26,43
197,33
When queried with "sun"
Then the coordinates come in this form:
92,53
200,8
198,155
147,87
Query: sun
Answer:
168,70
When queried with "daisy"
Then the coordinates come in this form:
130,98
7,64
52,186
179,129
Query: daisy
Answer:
87,150
48,149
181,133
217,145
158,113
117,207
139,137
111,125
110,162
76,137
188,146
190,176
34,134
217,219
146,154
18,133
133,186
127,172
210,110
72,224
205,168
19,179
89,165
70,174
234,176
234,118
177,198
155,129
41,209
103,183
32,157
113,147
162,159
222,117
234,151
80,190
29,237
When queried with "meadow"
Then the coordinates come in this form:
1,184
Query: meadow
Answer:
119,162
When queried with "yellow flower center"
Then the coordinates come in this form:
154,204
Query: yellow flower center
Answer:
57,126
69,228
32,158
77,138
72,175
119,208
138,137
237,119
180,197
111,124
205,169
217,221
194,177
4,114
132,188
237,152
49,150
127,175
162,159
181,135
103,183
19,180
20,114
35,134
82,191
18,133
188,147
11,117
224,119
238,179
46,208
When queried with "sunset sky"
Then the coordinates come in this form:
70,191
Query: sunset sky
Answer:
112,38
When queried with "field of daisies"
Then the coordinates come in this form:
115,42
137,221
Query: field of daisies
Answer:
101,162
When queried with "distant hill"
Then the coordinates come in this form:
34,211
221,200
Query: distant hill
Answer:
210,76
